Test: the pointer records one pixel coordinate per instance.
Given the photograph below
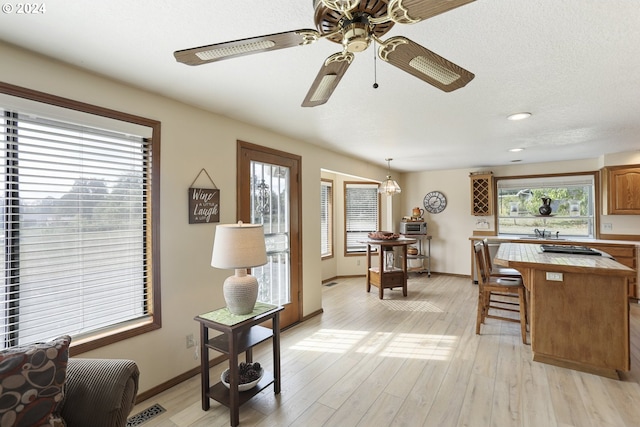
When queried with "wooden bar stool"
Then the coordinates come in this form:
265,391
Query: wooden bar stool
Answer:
497,271
498,293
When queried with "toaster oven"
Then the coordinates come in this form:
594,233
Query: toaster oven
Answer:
413,227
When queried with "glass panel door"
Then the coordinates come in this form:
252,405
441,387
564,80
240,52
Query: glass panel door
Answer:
268,183
270,186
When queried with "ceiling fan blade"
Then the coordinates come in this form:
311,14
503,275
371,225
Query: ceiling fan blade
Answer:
218,52
412,11
424,64
328,78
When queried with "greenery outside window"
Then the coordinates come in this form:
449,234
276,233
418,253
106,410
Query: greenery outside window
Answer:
326,218
572,203
79,221
362,214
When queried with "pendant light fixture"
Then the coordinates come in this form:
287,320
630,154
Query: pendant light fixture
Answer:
389,186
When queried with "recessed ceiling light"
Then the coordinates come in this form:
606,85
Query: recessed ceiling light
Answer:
519,116
516,150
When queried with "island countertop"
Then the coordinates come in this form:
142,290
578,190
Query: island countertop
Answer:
570,240
528,255
626,252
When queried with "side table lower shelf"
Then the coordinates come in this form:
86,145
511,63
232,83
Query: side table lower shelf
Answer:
221,394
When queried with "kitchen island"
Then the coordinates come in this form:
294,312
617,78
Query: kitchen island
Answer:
578,307
625,252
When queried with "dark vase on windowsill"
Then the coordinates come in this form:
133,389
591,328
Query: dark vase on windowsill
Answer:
545,209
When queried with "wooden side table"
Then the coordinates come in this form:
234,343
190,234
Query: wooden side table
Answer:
382,276
239,334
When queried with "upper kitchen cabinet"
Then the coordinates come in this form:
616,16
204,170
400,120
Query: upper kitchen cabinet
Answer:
621,190
481,193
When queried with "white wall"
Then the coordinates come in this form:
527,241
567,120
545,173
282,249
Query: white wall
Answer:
192,139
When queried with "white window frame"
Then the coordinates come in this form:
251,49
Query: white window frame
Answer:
568,219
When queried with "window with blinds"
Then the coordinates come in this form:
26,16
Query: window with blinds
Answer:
362,207
76,227
326,218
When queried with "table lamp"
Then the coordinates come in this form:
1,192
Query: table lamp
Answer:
239,246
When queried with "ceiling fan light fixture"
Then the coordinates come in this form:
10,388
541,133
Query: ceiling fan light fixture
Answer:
207,55
324,88
356,37
434,70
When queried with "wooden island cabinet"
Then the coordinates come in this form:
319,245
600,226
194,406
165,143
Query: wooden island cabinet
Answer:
578,307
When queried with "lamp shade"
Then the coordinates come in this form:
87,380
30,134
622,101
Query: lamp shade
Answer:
238,246
389,187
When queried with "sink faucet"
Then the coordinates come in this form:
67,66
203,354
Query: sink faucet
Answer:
543,234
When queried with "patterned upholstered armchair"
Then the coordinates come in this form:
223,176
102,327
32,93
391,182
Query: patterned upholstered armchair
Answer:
41,386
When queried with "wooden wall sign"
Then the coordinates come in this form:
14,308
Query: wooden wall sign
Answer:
204,203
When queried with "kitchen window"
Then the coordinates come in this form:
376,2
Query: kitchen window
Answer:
79,212
362,214
571,198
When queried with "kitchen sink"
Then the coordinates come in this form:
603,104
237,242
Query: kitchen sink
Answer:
540,238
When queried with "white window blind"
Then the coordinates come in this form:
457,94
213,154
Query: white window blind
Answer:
74,228
361,214
326,218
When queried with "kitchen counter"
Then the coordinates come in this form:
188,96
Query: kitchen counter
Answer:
569,240
578,307
626,252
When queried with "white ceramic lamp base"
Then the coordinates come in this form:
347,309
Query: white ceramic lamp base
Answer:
240,292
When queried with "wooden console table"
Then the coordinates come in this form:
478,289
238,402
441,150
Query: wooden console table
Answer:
239,334
384,276
579,310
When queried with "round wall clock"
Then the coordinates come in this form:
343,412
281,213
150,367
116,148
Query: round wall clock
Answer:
435,202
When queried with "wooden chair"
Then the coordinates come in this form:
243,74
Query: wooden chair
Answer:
497,271
498,293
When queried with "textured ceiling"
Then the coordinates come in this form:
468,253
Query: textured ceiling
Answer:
575,64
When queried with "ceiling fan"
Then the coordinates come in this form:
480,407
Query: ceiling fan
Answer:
354,24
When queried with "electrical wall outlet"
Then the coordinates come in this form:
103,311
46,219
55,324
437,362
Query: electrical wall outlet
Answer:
191,342
482,224
554,277
607,226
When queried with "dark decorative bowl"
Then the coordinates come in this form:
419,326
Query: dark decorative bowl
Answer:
241,387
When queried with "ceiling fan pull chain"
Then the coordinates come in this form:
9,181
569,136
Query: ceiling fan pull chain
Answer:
375,70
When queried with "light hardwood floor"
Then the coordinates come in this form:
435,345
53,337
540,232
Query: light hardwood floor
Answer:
414,361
